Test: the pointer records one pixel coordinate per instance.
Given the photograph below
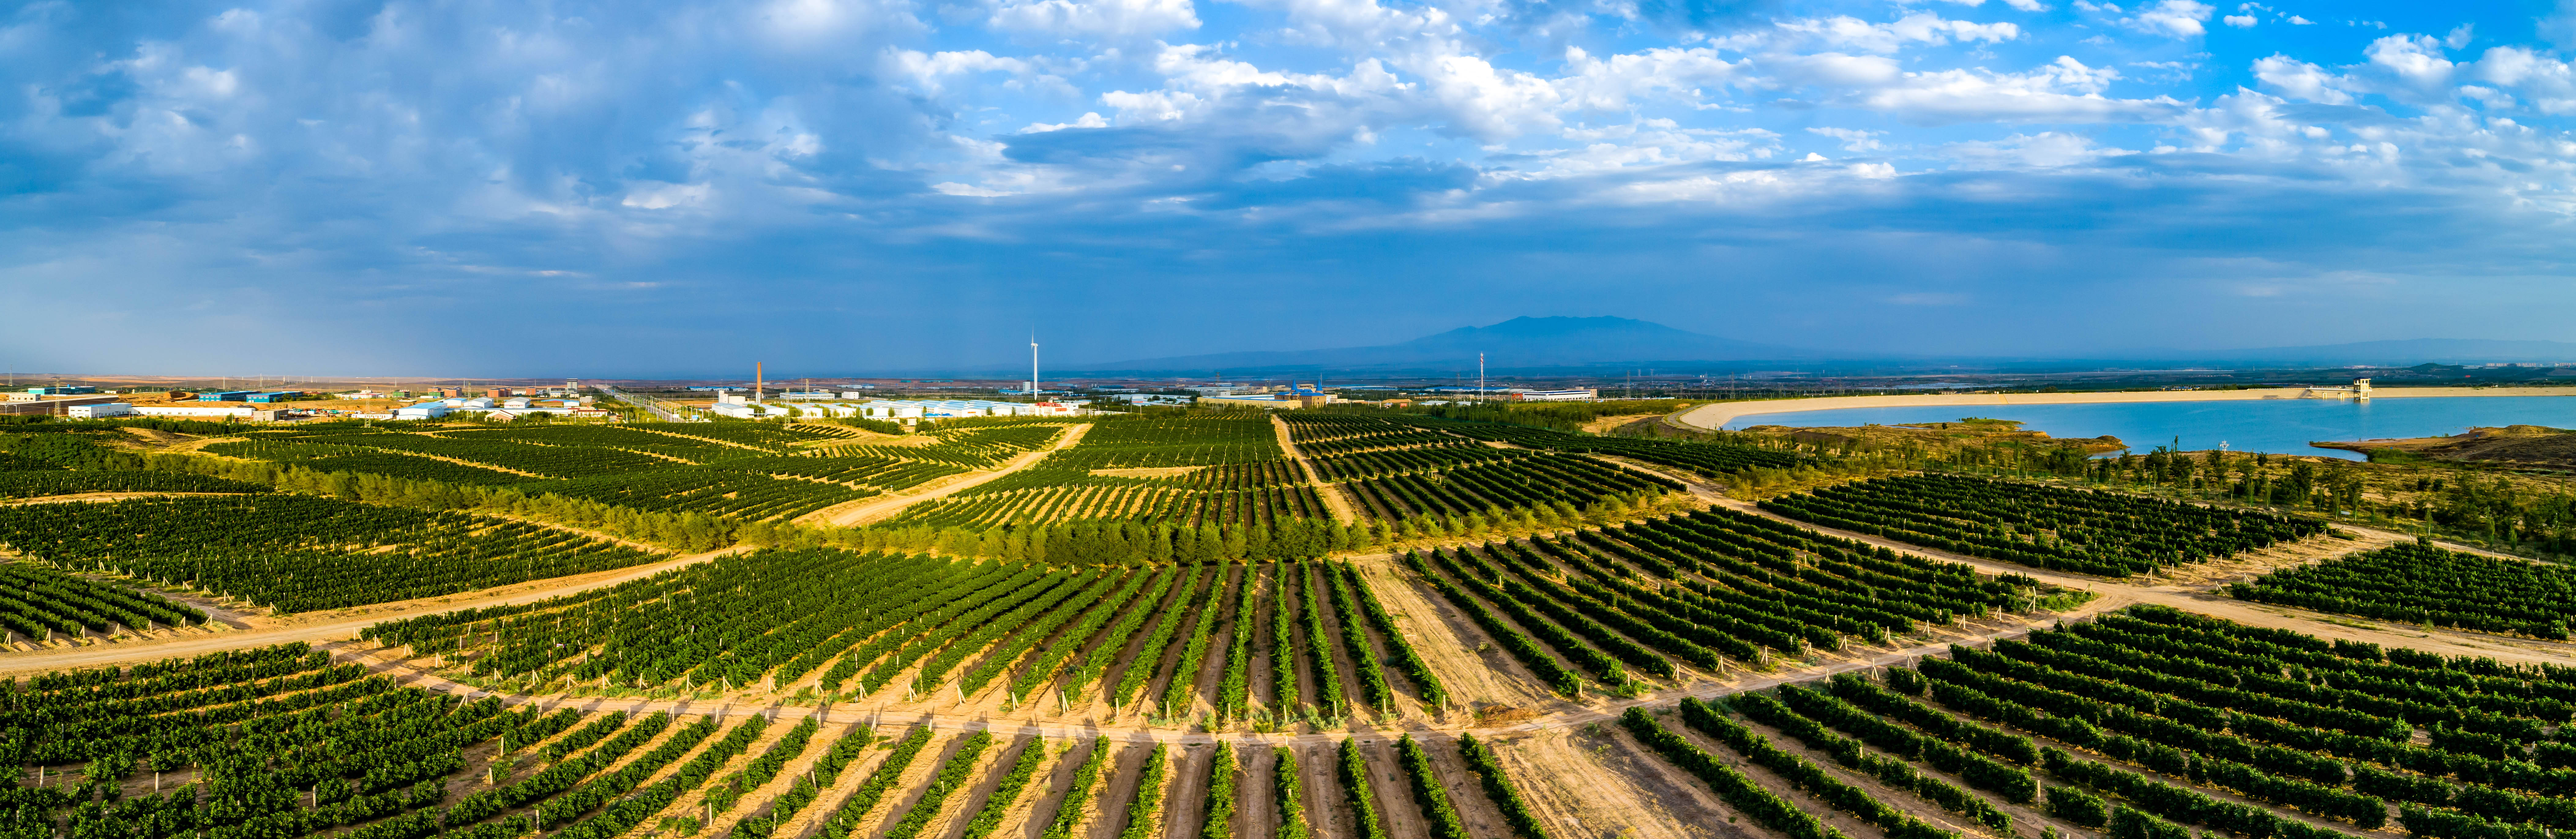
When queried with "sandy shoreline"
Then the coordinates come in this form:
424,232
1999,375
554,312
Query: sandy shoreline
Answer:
1715,416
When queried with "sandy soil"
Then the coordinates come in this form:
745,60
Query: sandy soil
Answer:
1600,782
1475,672
883,507
1466,793
1185,793
1602,424
1716,415
1118,785
1334,500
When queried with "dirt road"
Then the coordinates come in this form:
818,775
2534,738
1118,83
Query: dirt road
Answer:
1334,500
875,509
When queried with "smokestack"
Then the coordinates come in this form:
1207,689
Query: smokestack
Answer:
755,381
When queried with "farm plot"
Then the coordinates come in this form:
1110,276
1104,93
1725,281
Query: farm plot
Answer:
547,460
692,449
1176,641
37,483
2153,722
1241,497
1143,442
299,553
2084,531
1558,482
279,742
2423,584
1710,590
877,472
1371,464
1323,435
36,601
759,435
1708,459
967,447
721,491
331,457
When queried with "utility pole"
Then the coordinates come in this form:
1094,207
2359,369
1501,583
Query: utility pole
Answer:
1480,378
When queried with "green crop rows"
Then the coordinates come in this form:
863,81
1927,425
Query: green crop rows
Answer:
2422,584
299,553
2088,531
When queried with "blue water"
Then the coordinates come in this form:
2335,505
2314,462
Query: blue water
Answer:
2255,425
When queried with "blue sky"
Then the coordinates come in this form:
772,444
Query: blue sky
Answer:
635,188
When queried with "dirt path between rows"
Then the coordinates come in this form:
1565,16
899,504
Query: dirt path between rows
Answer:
1333,498
885,507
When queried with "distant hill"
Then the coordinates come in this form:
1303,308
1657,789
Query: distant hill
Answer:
2395,353
1519,343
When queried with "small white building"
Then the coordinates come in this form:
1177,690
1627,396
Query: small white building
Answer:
218,410
1551,395
856,394
423,411
101,410
1153,399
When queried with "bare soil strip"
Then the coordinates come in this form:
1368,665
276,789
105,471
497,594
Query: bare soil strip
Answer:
877,508
1332,493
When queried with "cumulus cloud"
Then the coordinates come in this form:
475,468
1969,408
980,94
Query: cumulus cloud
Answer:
2174,18
282,149
1113,19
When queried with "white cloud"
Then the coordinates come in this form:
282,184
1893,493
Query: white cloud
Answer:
2046,150
1917,28
2064,91
2176,18
930,72
1111,19
2459,36
1610,84
2296,20
1087,120
2301,79
1854,140
2239,21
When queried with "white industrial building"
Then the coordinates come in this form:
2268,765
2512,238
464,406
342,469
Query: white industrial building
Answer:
101,410
1551,395
218,409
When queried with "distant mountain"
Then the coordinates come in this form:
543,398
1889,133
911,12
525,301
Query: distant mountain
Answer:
1519,343
2395,353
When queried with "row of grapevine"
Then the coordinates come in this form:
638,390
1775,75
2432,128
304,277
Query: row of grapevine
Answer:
1144,442
1709,459
2088,531
298,553
2422,584
1537,481
1038,496
38,483
37,602
1352,467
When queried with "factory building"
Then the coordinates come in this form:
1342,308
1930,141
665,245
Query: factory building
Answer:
101,410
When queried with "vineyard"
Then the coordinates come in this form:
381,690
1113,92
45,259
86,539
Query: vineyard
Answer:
2152,723
1335,434
280,742
1211,472
36,602
2085,531
2422,584
1160,630
1172,642
1709,592
1558,482
298,553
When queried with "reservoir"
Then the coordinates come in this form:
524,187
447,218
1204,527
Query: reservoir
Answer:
2259,425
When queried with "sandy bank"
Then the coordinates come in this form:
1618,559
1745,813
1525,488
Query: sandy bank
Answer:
1717,415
